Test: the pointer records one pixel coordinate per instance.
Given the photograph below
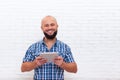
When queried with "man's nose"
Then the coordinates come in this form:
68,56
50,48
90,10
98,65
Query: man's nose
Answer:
50,27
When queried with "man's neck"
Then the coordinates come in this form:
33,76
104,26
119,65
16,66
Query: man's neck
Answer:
49,42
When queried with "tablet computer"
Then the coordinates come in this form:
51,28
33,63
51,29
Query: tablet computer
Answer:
50,56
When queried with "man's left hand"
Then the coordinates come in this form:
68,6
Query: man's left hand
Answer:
58,61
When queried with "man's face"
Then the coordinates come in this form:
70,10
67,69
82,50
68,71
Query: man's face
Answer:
49,27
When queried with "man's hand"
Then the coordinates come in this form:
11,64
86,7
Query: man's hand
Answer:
58,61
28,66
40,61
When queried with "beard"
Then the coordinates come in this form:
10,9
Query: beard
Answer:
50,36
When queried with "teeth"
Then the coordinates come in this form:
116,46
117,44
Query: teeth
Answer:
49,31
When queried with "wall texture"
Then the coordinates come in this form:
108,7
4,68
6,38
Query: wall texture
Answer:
90,27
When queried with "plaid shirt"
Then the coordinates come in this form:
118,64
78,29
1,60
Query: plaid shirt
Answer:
48,71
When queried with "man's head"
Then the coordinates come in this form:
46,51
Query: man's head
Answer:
49,27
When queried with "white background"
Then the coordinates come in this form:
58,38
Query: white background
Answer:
90,27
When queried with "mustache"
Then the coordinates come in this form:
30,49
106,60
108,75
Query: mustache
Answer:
50,30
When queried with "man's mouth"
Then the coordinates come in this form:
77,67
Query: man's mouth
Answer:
50,32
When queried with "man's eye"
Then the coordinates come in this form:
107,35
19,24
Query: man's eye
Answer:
52,24
46,25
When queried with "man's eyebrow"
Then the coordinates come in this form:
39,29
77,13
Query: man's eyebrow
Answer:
50,23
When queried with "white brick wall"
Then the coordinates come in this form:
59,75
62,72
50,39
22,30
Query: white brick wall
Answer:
90,27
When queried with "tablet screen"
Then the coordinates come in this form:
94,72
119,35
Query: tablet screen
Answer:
50,56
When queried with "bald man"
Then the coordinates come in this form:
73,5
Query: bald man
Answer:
43,69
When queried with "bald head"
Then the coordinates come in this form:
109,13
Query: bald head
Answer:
47,18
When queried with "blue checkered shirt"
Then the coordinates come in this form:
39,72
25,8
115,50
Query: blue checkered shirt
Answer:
48,71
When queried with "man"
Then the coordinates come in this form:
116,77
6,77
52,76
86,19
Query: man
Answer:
44,70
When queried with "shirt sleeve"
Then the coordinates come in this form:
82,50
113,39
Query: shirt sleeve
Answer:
29,55
68,55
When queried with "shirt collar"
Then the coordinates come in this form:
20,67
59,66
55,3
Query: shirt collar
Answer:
55,44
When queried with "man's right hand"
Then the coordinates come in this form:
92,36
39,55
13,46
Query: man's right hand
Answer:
28,66
40,61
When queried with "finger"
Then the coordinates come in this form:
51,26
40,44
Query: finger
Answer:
58,57
38,57
43,60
